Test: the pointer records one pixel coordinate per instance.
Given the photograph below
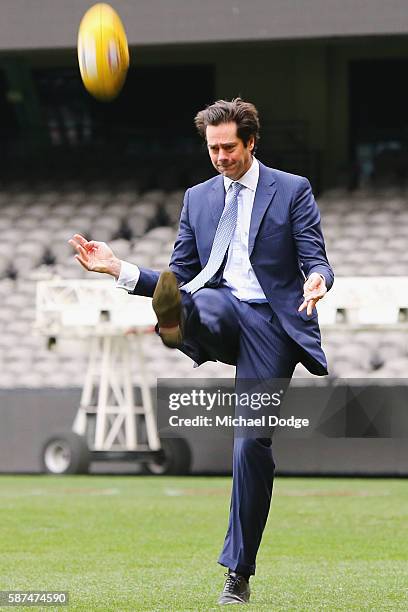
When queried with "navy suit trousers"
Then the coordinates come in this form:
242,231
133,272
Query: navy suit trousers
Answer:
251,336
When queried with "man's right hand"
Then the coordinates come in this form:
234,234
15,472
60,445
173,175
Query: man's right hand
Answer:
95,256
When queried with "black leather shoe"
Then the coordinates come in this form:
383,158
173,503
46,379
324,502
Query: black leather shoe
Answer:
167,306
236,590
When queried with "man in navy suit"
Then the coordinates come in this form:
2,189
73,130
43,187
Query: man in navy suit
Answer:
247,269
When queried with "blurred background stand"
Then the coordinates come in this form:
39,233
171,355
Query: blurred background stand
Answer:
109,424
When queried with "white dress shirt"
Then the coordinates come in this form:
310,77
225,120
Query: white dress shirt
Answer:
238,273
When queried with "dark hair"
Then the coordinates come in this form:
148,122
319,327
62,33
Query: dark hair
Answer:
244,114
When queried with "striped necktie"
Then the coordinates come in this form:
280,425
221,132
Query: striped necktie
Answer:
222,239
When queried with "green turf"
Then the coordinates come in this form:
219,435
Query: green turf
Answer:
144,543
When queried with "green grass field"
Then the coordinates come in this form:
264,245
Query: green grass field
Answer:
145,543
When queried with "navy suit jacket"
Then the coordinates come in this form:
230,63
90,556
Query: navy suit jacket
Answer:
285,246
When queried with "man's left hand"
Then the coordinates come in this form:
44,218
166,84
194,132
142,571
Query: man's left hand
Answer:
313,291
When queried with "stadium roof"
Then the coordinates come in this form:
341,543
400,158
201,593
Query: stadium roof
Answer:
50,24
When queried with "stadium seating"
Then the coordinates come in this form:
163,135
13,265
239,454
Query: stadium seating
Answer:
365,235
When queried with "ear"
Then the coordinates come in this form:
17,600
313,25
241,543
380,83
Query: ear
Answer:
251,143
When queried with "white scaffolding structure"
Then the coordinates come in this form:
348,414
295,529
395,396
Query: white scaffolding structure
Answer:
112,321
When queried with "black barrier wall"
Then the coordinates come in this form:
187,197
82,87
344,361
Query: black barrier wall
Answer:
362,431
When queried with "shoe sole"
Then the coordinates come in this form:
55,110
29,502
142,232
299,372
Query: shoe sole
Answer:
167,306
233,602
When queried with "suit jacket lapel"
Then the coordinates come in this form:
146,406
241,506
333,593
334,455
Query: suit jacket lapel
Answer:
214,208
264,194
217,200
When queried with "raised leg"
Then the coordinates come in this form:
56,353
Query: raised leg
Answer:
211,325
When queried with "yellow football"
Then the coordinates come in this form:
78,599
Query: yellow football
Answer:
103,52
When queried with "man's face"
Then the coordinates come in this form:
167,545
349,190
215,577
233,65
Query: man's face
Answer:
228,153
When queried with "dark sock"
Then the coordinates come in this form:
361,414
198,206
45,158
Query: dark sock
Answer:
246,576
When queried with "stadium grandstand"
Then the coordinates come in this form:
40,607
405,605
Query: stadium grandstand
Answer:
330,87
37,221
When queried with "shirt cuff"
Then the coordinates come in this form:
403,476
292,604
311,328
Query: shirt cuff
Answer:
321,276
128,277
